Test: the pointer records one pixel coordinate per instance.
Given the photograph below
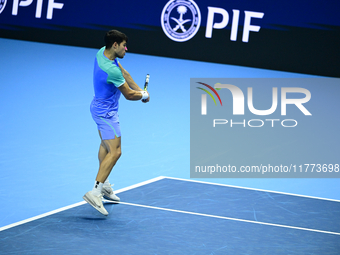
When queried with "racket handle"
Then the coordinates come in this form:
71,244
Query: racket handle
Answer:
146,82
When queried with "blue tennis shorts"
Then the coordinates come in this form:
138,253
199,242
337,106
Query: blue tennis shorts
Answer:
108,127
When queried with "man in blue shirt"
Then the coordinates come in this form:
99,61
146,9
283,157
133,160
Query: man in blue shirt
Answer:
110,80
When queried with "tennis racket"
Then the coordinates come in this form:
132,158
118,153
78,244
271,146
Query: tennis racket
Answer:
146,84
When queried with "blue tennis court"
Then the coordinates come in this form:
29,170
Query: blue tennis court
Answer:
173,216
48,161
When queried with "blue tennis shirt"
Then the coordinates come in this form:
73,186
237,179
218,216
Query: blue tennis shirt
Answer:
107,78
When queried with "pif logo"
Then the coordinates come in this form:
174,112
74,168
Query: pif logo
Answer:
38,12
238,103
181,19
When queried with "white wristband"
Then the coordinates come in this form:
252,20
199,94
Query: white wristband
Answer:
145,94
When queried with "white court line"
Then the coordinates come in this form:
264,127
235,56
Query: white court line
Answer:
238,187
179,211
41,216
75,205
140,184
233,219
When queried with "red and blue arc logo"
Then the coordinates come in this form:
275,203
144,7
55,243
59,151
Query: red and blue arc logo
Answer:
209,93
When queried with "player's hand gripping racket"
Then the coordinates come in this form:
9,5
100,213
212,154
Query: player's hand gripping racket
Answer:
146,84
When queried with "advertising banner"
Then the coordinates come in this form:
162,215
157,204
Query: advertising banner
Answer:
291,35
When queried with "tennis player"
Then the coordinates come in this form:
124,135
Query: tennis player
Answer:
110,80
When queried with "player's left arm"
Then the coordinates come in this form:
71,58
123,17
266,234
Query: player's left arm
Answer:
132,84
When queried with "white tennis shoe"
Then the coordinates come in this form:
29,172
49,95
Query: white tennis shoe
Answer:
96,202
108,193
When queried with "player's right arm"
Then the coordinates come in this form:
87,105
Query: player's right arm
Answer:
132,84
131,94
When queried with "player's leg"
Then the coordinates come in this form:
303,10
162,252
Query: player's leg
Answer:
94,197
109,153
113,148
102,152
107,189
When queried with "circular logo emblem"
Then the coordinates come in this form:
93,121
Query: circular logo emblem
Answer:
2,5
181,19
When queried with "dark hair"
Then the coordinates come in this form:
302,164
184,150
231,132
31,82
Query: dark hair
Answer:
113,36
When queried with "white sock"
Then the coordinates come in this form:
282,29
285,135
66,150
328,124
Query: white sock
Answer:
97,188
107,183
